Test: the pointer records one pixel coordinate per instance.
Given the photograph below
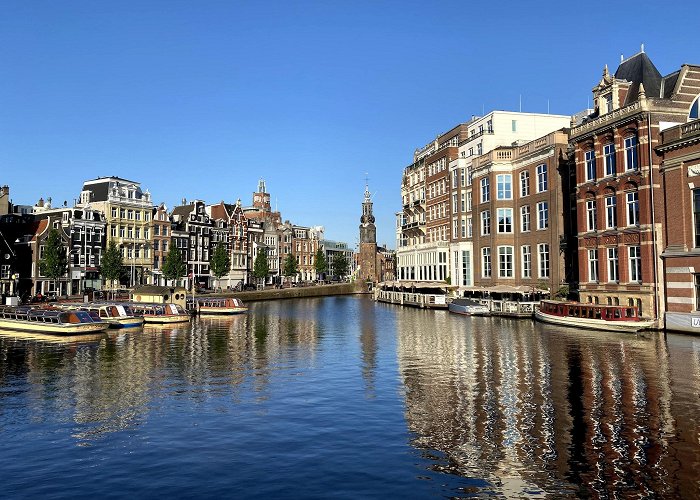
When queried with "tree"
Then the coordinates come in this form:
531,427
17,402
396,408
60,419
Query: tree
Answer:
320,264
112,262
261,268
290,265
340,265
173,267
54,263
220,262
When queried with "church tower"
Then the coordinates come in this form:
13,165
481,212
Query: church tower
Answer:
261,199
368,241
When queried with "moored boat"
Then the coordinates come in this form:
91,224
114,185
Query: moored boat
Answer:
54,321
592,316
160,313
468,307
117,315
216,305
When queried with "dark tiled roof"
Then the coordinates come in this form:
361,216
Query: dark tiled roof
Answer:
183,210
669,83
639,69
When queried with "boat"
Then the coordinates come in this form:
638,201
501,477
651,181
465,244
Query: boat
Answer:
160,313
216,305
468,307
592,316
54,321
117,315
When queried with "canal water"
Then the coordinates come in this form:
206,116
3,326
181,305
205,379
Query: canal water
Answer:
341,397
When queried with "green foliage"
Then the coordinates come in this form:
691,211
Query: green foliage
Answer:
290,265
320,264
220,262
260,268
562,293
340,265
54,263
173,267
112,262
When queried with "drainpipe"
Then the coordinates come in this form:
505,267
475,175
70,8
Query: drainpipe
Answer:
653,226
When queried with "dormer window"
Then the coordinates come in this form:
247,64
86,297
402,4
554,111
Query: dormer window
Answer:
694,112
608,101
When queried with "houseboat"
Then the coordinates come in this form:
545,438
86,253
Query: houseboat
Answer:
160,313
54,321
592,316
217,305
468,307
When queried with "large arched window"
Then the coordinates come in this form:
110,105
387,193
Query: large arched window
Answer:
694,111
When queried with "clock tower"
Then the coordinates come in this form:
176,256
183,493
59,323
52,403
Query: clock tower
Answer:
368,241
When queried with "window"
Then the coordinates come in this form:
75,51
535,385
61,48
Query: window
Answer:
593,265
489,126
463,201
463,177
454,203
632,208
504,189
156,230
514,125
469,201
590,165
466,268
609,159
486,262
114,212
635,264
696,215
541,178
610,211
505,220
608,102
590,214
526,253
694,111
485,223
631,153
613,265
525,218
543,260
114,231
485,195
464,227
469,227
505,262
479,149
542,215
697,288
455,178
524,183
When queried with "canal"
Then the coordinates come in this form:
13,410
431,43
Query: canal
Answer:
341,397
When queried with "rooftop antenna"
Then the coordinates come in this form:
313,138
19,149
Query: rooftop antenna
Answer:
520,106
547,106
642,47
622,58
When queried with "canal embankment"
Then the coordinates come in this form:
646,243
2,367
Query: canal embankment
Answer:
297,292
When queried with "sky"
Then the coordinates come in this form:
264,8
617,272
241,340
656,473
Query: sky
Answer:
201,99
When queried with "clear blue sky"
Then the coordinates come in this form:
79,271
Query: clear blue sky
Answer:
199,99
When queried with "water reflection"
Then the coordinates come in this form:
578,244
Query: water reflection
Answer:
533,408
480,405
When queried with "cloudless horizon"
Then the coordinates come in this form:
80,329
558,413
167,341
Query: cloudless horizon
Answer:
200,100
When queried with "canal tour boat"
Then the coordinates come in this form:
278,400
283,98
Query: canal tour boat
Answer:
54,321
468,307
115,314
592,316
216,305
160,313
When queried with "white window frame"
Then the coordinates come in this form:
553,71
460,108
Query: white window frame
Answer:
505,220
524,183
485,190
485,223
609,159
504,187
613,264
486,262
526,261
589,163
525,220
592,257
505,261
542,209
632,204
542,178
543,261
610,211
631,153
634,257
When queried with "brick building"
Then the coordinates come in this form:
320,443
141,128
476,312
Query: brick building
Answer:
619,195
160,234
680,171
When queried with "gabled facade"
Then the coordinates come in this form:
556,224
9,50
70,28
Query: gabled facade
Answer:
192,219
127,210
620,202
160,233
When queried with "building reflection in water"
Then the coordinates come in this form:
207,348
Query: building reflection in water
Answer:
533,408
110,383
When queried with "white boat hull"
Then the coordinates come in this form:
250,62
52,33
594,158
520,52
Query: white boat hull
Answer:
166,318
53,328
222,310
594,324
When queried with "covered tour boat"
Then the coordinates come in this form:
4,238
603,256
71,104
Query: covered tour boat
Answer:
160,313
216,305
592,316
468,307
117,315
54,321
